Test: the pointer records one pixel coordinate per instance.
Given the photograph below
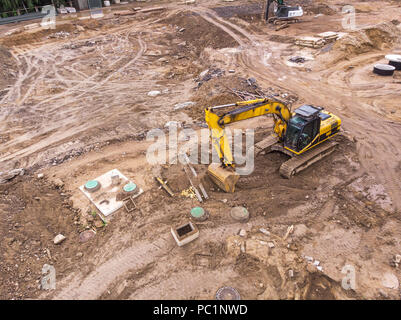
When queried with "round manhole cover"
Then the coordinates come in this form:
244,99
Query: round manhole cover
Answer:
394,57
227,293
240,214
129,187
198,214
86,235
92,185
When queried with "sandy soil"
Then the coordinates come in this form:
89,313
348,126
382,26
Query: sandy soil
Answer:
74,105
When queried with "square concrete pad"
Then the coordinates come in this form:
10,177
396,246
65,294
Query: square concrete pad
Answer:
105,198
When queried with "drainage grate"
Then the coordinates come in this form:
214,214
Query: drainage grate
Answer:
184,230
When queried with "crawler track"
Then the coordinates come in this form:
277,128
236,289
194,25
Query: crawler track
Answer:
303,161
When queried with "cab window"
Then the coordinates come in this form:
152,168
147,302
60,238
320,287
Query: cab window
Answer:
293,131
307,135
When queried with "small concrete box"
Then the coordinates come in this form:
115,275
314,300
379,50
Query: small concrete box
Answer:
185,233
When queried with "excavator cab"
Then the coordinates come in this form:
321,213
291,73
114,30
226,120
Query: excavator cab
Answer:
288,12
281,11
302,128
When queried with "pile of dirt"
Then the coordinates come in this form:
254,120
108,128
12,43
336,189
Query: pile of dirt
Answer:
229,89
33,211
319,8
216,92
8,67
33,37
239,11
199,34
280,272
381,36
378,37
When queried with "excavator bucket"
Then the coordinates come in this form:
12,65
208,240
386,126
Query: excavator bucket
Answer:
224,178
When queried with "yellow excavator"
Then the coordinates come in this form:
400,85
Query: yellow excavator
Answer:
301,134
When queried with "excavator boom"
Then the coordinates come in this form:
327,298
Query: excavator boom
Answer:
223,174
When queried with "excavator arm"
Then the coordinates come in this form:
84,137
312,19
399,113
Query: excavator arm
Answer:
268,4
247,109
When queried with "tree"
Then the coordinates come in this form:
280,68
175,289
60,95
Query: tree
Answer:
10,8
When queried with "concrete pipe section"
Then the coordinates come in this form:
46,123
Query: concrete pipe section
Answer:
384,69
394,60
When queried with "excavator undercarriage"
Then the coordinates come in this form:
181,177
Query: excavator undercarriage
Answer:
297,163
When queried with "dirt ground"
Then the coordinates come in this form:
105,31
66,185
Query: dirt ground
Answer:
74,104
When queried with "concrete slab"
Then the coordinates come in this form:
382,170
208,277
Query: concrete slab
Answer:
105,198
185,233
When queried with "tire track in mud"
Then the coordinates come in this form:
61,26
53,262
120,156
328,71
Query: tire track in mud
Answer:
39,75
93,88
15,90
60,61
53,110
209,17
377,151
377,157
98,281
137,256
184,284
48,107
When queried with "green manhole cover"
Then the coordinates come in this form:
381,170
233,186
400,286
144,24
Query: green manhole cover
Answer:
198,214
92,185
130,187
240,214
